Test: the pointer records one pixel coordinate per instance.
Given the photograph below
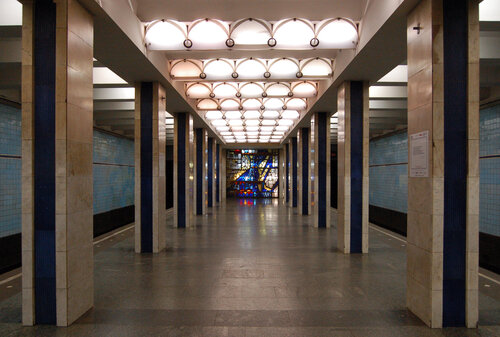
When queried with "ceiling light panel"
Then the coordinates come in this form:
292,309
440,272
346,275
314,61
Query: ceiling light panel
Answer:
251,99
253,104
248,90
251,69
213,34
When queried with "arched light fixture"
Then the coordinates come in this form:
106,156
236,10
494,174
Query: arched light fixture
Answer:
284,68
317,67
225,90
337,33
198,90
277,89
293,33
208,34
273,103
207,104
290,114
251,104
156,32
186,68
251,90
304,89
251,68
296,104
250,32
219,69
229,104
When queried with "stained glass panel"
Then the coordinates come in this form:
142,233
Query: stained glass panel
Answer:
252,173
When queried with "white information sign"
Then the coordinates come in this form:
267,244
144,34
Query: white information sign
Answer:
419,154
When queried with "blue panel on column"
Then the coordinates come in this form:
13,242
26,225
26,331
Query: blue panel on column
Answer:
322,122
181,169
294,171
44,161
287,172
356,166
146,167
217,172
455,36
210,172
304,135
199,171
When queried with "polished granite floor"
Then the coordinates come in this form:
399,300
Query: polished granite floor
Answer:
251,268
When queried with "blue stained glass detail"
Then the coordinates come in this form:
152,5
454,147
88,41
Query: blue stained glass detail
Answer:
252,173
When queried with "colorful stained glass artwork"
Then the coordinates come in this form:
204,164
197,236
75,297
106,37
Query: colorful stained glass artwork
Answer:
252,173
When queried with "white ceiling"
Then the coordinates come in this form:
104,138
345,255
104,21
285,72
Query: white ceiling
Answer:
189,10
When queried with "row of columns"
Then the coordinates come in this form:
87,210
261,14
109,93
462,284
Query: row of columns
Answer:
199,164
443,206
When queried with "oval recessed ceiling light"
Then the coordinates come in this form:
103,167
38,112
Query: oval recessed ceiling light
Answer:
208,34
218,69
338,34
156,32
293,33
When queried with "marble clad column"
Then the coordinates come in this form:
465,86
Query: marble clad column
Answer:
217,172
57,129
211,172
320,142
150,217
287,174
200,172
293,172
183,166
353,147
281,174
443,177
303,167
223,176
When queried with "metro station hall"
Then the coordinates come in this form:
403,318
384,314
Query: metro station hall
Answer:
250,168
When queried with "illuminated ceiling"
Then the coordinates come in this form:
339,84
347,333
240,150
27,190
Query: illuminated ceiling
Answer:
251,99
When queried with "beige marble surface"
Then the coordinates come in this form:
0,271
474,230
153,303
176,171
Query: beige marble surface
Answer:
344,167
73,161
426,194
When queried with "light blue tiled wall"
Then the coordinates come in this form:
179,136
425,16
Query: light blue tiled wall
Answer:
10,170
489,163
389,172
113,172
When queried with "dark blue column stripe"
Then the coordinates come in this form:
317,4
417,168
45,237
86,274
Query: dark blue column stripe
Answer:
356,166
287,172
146,167
322,122
44,160
181,169
455,36
217,172
304,135
199,171
294,171
210,172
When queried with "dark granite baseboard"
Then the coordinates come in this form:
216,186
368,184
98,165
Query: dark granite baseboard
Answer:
10,252
489,252
392,220
108,221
